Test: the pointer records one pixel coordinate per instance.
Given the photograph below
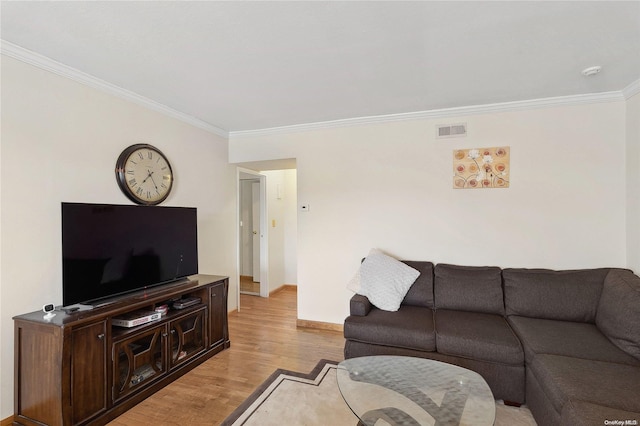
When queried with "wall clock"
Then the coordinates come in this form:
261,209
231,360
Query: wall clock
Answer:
144,174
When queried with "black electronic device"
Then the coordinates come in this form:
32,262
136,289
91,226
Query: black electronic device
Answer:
186,302
109,249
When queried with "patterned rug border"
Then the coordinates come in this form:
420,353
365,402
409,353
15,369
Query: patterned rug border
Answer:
246,404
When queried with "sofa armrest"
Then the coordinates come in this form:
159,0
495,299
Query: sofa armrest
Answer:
360,305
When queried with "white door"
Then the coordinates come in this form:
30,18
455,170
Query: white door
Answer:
257,232
246,236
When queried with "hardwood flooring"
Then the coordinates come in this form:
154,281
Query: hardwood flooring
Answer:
247,285
264,337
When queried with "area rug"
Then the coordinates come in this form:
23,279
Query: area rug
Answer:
291,398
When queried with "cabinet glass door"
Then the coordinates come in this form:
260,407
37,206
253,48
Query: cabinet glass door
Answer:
138,361
187,336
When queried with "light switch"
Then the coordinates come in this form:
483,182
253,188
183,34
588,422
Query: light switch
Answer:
273,223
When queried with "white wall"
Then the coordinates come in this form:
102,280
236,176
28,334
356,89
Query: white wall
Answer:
390,186
282,232
6,375
60,141
291,227
633,183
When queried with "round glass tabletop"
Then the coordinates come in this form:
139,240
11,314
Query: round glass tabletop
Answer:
414,391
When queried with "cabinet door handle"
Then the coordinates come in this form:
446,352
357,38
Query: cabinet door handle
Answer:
164,334
101,336
213,295
173,331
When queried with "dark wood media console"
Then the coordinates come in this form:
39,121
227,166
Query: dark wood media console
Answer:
79,369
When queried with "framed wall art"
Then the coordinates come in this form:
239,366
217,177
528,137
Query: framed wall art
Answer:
481,168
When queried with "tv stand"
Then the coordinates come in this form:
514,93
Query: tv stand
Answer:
79,369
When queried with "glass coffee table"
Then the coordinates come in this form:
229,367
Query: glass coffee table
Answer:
414,391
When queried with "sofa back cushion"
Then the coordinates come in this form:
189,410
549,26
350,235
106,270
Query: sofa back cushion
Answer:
469,288
421,292
571,295
618,315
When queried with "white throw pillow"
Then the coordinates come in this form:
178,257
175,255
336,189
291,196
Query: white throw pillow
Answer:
384,280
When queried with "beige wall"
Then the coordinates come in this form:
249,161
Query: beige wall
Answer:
390,186
291,227
60,141
633,183
282,233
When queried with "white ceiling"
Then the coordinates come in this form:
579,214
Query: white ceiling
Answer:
257,65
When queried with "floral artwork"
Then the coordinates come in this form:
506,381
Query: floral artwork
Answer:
481,168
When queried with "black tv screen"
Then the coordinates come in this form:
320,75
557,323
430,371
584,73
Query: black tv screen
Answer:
109,250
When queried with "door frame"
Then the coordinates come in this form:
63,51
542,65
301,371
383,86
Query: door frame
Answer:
264,234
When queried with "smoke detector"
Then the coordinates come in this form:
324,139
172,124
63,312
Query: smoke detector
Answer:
591,71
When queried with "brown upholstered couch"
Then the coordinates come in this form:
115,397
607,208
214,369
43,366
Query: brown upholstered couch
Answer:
565,342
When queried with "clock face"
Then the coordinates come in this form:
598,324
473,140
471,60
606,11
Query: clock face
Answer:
144,174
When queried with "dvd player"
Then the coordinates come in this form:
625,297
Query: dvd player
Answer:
186,302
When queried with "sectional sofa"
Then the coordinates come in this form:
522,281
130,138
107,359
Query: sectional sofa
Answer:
566,343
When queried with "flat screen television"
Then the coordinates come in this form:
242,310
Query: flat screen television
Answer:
108,250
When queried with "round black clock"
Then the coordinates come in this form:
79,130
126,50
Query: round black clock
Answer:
144,174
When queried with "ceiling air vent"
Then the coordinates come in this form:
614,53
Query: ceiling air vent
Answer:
452,130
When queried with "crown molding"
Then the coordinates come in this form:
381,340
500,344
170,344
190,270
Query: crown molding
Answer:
45,63
632,89
16,52
438,113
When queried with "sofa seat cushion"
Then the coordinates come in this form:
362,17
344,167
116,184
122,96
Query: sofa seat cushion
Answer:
605,383
575,339
409,327
619,310
586,413
475,335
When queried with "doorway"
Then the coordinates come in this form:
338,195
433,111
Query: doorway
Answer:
250,235
252,250
277,233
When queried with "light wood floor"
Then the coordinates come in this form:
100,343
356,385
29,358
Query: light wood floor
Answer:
247,285
264,338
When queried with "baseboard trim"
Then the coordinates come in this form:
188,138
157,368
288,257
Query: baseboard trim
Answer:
319,325
283,287
6,422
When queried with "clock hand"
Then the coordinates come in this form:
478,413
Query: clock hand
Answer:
148,176
154,182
